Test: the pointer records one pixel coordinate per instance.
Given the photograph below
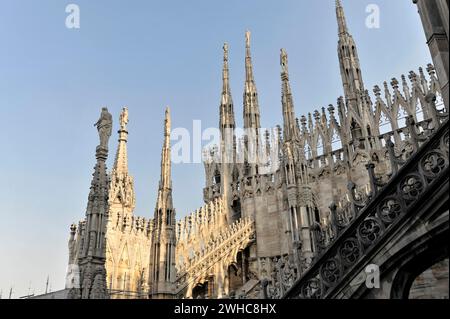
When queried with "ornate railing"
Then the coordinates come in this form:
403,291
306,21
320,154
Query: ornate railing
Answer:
387,202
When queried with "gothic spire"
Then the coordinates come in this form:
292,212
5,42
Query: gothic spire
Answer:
251,115
227,122
226,91
121,161
165,181
226,103
290,127
348,59
342,24
251,106
121,189
162,263
248,60
93,254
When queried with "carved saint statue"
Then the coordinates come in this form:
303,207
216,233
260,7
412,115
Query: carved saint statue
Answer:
225,51
104,127
247,39
124,119
284,60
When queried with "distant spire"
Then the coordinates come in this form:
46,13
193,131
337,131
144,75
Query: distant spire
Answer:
162,263
227,123
121,161
165,180
97,207
93,250
290,127
350,68
226,103
251,113
226,91
251,107
248,60
342,24
250,86
121,190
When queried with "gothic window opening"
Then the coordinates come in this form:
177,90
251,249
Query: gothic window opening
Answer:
369,134
216,178
160,214
236,207
294,224
168,262
156,263
316,215
356,134
200,291
168,216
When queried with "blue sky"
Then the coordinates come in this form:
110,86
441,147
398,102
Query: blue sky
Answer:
146,55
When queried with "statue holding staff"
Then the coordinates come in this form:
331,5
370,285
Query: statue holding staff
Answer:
104,127
124,118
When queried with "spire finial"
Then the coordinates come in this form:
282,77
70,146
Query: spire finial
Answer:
104,127
248,59
167,122
284,61
120,179
247,39
124,118
225,75
226,120
251,105
165,181
121,161
290,131
225,52
340,15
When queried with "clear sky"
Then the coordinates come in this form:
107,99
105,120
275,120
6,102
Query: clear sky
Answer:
146,55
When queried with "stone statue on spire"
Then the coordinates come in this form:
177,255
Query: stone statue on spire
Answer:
124,118
104,127
225,51
284,60
247,38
